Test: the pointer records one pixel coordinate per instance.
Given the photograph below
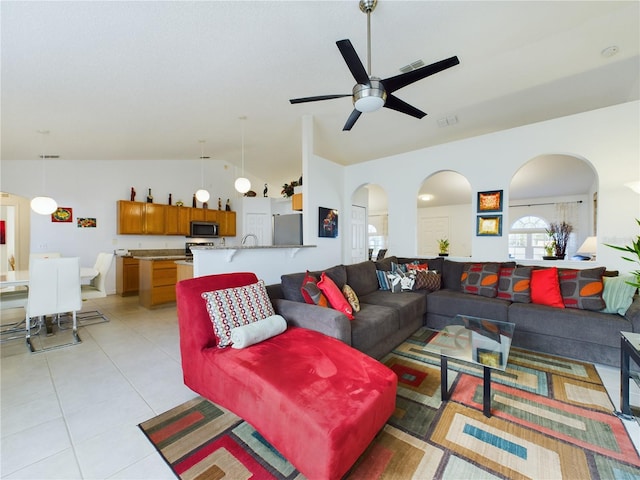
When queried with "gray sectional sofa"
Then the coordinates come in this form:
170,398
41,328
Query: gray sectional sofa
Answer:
386,319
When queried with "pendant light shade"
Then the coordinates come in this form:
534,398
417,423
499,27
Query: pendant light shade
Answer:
43,205
242,184
202,195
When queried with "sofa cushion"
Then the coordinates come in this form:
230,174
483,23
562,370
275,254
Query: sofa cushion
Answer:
292,282
545,287
372,323
409,305
618,294
449,303
383,280
334,295
234,307
451,274
351,297
385,263
569,323
480,279
582,288
515,284
362,277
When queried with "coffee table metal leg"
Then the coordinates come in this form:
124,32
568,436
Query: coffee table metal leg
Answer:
486,394
444,390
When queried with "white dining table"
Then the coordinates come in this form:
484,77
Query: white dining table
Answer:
19,278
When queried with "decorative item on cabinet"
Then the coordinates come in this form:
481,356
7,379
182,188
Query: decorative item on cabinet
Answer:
179,203
205,205
133,194
193,202
149,197
170,199
219,204
227,207
266,189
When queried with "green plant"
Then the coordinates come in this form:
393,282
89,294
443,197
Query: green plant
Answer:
635,250
443,245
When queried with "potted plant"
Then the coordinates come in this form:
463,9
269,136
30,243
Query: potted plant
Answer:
560,232
549,248
443,246
634,249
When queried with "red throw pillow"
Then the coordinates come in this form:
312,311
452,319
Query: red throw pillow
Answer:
334,295
311,293
417,266
545,287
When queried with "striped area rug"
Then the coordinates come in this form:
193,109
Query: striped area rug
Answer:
551,420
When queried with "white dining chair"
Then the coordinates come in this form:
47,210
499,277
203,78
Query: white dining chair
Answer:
54,289
97,287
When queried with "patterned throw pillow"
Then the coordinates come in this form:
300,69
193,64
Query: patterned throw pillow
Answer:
351,297
417,266
398,266
618,293
427,280
383,280
480,279
545,287
515,284
234,307
582,288
394,279
311,293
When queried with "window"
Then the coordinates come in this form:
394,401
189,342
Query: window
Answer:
527,238
376,241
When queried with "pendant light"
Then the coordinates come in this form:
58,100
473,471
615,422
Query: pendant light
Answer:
242,184
202,195
43,205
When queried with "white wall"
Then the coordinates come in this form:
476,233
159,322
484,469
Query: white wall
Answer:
606,138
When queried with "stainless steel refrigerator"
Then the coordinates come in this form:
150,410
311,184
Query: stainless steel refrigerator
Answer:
287,229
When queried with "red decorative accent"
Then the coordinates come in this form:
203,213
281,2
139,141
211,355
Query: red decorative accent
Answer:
335,296
545,287
3,232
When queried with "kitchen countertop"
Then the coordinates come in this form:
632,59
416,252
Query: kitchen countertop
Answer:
161,257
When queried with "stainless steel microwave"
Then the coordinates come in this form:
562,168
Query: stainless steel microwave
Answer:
204,229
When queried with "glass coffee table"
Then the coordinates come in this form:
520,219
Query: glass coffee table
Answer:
629,350
479,341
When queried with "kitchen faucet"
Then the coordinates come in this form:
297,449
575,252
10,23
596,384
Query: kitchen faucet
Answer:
255,239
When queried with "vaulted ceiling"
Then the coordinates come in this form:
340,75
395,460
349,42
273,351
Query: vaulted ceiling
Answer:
148,80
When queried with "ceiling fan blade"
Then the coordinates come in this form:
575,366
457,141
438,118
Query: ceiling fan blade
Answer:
353,61
394,103
392,84
318,98
351,120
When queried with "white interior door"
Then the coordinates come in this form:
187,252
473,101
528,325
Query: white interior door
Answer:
430,230
358,234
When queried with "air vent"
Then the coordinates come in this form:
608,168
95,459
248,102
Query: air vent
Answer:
49,156
412,66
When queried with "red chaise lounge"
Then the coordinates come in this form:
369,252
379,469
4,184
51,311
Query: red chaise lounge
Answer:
318,401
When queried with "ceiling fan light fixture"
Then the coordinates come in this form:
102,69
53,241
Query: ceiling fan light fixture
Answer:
369,98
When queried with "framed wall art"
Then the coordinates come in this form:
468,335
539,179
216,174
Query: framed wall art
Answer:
87,223
489,225
327,222
62,215
490,201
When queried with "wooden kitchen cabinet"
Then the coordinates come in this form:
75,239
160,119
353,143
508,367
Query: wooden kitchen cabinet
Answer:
137,218
178,220
212,215
227,222
127,272
198,214
296,202
157,282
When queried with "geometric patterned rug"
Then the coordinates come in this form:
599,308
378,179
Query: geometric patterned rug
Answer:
551,418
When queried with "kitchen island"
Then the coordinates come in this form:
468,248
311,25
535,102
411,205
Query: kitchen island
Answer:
267,262
158,276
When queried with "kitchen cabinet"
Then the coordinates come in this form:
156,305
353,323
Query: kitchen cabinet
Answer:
227,222
137,218
127,272
157,282
184,271
178,220
296,202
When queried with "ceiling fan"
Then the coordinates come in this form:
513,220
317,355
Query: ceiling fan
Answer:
371,93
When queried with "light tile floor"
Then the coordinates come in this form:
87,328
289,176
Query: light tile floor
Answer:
73,412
